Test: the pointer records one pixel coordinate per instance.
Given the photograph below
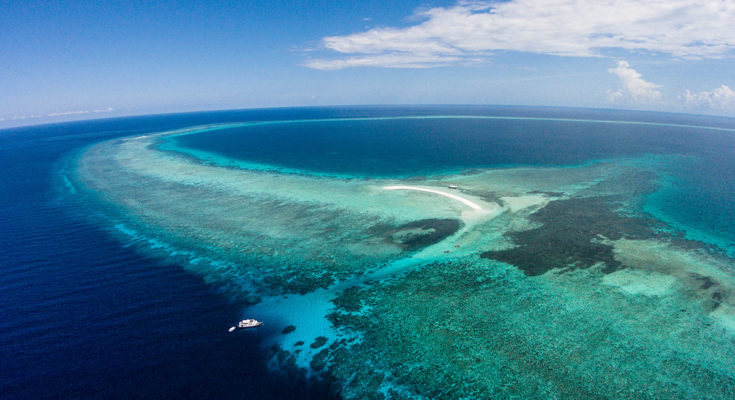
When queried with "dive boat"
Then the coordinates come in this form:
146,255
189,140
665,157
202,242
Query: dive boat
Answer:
245,324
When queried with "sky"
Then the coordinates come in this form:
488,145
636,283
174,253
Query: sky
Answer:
62,60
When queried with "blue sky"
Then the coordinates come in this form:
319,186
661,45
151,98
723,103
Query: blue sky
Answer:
83,59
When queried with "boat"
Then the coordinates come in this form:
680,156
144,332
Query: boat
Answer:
453,187
249,323
245,324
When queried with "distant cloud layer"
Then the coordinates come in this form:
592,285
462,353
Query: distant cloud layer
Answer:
471,31
63,113
722,98
634,88
58,114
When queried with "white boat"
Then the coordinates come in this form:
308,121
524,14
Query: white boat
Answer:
249,323
245,324
453,186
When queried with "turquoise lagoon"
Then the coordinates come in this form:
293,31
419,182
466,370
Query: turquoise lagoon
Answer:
582,254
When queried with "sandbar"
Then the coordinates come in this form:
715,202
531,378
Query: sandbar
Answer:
464,201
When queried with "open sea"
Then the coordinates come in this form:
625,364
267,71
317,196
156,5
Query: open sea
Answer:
84,314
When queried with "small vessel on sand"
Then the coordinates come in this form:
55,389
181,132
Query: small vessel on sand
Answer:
245,324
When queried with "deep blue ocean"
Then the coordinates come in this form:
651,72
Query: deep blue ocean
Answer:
86,316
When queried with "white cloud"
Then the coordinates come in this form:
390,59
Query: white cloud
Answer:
58,114
385,60
614,95
22,117
63,113
634,87
80,112
722,98
579,28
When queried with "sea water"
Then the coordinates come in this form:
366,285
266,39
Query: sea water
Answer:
126,259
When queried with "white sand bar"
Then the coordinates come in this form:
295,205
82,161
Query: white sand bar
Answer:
464,201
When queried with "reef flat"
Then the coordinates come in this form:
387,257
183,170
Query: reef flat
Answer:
530,282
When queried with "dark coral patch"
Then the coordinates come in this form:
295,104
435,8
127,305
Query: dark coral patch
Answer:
569,236
417,234
318,342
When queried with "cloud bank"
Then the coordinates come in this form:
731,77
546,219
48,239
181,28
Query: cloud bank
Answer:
64,113
472,30
722,98
58,114
634,88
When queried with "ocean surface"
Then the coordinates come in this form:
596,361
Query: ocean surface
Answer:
102,299
700,199
85,316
